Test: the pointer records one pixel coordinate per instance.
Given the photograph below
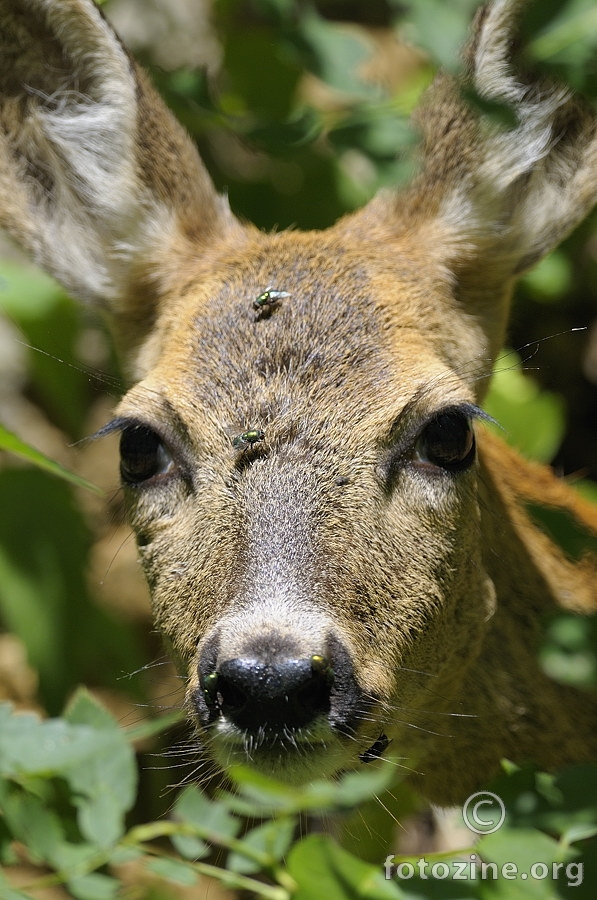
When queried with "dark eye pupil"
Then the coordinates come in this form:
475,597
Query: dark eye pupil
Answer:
140,452
448,441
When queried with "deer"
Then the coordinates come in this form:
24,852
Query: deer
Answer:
339,550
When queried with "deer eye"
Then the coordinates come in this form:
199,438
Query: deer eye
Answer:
142,455
447,442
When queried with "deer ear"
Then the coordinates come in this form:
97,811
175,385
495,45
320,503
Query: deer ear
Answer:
98,181
513,192
492,199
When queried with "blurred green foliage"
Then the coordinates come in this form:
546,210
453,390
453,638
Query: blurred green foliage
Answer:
13,444
297,134
532,420
49,323
67,784
44,597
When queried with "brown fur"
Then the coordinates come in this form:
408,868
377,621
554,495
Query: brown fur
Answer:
424,589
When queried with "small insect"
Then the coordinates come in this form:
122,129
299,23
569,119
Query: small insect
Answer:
248,439
267,301
322,669
209,685
376,750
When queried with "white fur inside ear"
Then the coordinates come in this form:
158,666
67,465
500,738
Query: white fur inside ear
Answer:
530,186
98,205
492,64
72,147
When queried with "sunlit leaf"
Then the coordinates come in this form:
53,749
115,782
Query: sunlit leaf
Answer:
13,444
531,420
323,869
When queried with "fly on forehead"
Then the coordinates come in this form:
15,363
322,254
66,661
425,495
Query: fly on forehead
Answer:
248,439
266,302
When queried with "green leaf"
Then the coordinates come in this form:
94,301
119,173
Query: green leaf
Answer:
323,869
97,763
105,784
19,281
369,831
210,817
336,54
531,420
265,793
173,870
261,77
278,137
551,278
190,847
532,853
94,886
45,832
356,787
271,839
577,787
269,796
566,40
84,709
101,811
38,828
587,489
578,832
7,854
152,727
13,444
122,855
380,132
31,747
551,802
441,28
524,847
569,650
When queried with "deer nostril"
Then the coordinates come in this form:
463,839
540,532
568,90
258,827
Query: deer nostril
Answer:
253,694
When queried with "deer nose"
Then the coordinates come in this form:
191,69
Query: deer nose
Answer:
288,693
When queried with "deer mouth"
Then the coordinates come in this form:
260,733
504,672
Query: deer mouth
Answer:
282,713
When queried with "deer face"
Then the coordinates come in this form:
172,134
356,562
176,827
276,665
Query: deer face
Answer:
303,488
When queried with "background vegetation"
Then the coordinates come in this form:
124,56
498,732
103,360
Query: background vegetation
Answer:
300,112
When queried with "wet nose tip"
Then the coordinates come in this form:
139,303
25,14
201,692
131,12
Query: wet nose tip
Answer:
254,694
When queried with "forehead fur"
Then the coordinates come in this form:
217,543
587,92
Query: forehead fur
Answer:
346,341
